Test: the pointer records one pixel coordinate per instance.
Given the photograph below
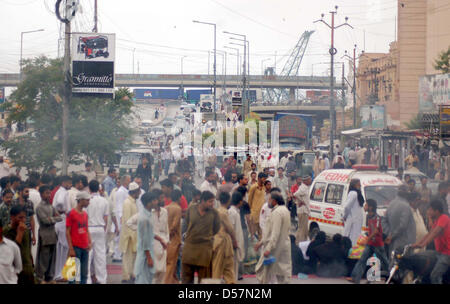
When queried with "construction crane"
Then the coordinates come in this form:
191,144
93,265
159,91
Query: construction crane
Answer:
290,68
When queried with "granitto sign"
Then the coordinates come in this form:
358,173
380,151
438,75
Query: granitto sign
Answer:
93,57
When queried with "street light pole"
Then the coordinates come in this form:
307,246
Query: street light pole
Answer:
332,51
214,68
244,97
21,48
182,79
237,61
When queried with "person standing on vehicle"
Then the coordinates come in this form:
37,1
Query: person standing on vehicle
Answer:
398,222
440,233
303,211
353,211
276,243
374,244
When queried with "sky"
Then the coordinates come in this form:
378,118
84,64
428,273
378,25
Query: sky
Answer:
159,33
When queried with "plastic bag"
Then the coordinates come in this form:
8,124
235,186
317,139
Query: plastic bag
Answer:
71,269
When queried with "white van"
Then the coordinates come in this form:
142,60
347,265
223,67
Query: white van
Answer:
328,195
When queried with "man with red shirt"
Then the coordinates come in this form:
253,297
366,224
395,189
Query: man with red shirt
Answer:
167,188
77,233
440,233
374,244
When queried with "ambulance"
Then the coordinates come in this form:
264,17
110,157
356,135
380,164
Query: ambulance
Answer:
328,195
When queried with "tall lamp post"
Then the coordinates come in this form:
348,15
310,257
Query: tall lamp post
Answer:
237,60
214,68
182,79
354,83
244,99
21,47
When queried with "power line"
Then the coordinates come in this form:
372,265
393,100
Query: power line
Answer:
251,19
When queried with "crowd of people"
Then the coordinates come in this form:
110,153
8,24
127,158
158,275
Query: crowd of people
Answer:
168,233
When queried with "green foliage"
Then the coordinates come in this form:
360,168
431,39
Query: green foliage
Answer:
442,63
414,123
97,127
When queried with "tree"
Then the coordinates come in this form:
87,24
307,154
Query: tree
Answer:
97,127
415,123
442,63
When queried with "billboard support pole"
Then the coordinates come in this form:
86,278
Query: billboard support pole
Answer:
66,99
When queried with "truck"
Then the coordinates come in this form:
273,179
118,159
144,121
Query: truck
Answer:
295,131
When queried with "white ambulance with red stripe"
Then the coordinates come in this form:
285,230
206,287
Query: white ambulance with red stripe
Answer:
329,190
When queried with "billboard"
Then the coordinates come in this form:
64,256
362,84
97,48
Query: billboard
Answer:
145,94
433,91
444,115
294,125
373,117
93,56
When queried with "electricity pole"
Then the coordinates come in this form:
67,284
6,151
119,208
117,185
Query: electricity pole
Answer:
95,30
343,96
354,83
70,10
332,51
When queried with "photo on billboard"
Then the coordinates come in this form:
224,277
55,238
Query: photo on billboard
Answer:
373,117
93,47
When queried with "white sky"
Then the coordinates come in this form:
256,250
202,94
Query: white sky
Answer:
270,25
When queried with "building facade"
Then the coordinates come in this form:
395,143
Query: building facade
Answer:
392,79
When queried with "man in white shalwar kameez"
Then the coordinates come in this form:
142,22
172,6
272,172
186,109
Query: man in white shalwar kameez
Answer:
235,221
120,197
275,243
61,202
160,220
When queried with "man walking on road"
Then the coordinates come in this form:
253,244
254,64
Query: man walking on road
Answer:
303,211
120,197
173,248
224,243
256,199
98,217
47,239
128,237
235,221
275,243
110,181
202,222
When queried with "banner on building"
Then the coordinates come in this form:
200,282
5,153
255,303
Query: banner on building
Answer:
373,117
444,117
434,91
93,56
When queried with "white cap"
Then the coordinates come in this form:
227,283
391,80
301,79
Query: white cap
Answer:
82,195
133,186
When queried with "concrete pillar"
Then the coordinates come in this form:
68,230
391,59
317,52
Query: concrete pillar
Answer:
291,94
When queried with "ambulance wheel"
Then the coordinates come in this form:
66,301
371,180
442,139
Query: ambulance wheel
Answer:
106,54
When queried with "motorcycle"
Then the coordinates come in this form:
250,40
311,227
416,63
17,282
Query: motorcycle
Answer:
421,265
